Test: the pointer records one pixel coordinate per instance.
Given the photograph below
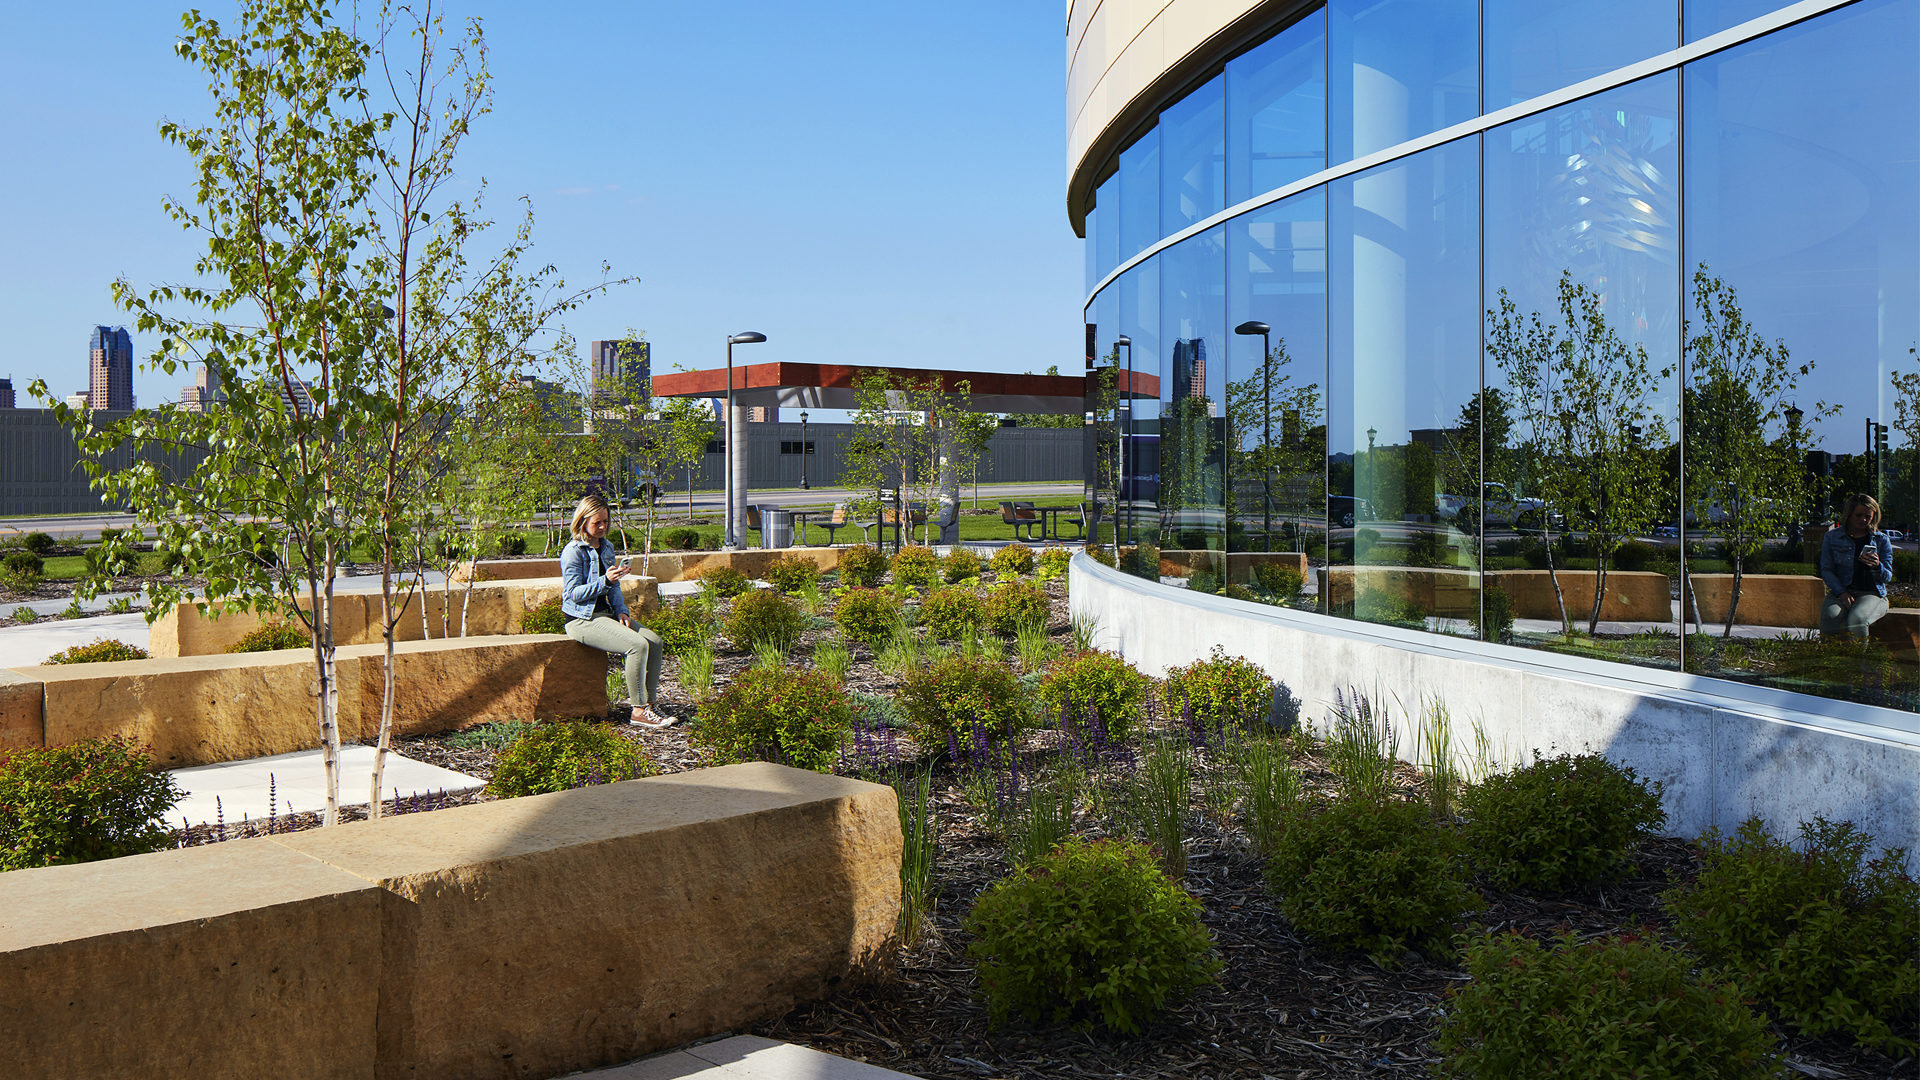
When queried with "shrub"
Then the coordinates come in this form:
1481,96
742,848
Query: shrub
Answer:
792,573
102,651
544,618
513,544
1220,690
1053,561
916,564
560,756
1378,875
1097,554
681,539
492,735
272,636
794,717
682,626
952,612
1283,580
1906,566
1079,685
765,618
1015,560
1498,624
863,565
21,570
722,580
1634,555
37,542
867,615
94,799
1559,823
1823,937
962,564
1426,548
1611,1007
1091,934
953,693
1014,604
1141,560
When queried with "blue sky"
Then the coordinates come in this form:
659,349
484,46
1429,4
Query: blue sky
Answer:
863,182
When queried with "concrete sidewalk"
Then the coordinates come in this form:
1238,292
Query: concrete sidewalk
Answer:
744,1057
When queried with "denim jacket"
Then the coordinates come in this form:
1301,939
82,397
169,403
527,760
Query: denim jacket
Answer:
583,580
1836,560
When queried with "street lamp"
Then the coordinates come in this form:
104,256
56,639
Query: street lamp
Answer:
804,450
1250,328
735,462
1126,437
1371,432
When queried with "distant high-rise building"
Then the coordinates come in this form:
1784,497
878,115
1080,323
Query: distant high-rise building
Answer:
110,368
763,414
300,400
205,392
77,400
615,361
6,393
1189,368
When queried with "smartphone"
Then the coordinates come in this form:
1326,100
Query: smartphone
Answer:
624,560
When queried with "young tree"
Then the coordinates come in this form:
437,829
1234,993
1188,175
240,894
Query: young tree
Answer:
974,432
1271,423
904,435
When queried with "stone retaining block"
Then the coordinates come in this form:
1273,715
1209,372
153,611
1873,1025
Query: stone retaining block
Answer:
665,566
1765,599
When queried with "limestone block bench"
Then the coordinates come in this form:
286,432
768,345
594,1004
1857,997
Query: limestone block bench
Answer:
201,710
1178,562
1632,595
1899,630
665,566
1765,599
522,938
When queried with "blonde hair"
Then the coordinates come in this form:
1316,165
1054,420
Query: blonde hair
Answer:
588,507
1855,501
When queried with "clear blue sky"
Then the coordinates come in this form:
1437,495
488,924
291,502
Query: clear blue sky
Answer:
864,182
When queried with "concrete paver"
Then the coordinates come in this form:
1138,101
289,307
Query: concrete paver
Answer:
25,646
745,1057
296,783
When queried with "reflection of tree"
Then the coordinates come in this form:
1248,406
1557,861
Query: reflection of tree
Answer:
1581,394
1741,485
1906,420
1273,434
1189,463
1458,463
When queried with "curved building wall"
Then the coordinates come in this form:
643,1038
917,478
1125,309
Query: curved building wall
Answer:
1581,320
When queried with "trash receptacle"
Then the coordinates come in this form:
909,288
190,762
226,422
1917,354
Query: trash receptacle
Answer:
776,527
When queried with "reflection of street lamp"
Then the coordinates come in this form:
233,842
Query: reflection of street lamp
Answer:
1126,433
1371,432
1250,328
803,450
732,531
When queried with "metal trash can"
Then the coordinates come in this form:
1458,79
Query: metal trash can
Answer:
776,528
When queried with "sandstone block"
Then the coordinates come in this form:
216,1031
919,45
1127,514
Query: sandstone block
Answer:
1765,599
22,725
535,936
1899,631
451,683
1632,596
238,960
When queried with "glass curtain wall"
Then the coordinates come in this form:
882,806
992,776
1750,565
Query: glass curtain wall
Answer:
1536,46
1193,159
1138,320
1193,517
1397,70
1277,110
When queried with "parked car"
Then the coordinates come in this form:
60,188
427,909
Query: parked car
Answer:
1344,510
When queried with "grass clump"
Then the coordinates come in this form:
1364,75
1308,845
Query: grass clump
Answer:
1219,691
868,615
105,650
834,658
1014,604
953,613
271,637
792,573
1014,560
793,717
916,564
1089,682
962,564
723,581
863,565
492,735
1091,935
764,618
956,699
94,799
695,671
1560,823
544,618
565,755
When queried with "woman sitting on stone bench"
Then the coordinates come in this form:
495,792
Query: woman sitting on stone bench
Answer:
597,613
1856,562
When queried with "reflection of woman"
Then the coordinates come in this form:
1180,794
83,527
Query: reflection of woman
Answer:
1856,562
597,613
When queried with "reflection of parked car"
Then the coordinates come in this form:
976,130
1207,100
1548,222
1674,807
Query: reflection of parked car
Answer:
1344,510
1502,508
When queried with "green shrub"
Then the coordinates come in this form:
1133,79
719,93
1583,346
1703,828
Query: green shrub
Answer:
1559,823
1015,560
512,544
1823,937
272,636
544,618
1221,690
1607,1008
681,539
1427,548
105,650
1014,604
1092,934
916,564
962,564
795,717
25,615
1906,566
1498,624
94,799
1053,561
951,612
1204,580
953,693
1377,875
792,573
21,570
1079,685
1634,555
1141,560
722,580
863,565
867,615
492,735
683,626
560,756
37,542
765,618
1283,580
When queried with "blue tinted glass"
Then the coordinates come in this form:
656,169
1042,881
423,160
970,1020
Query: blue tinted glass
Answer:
1092,248
1276,389
1193,152
1138,318
1403,342
1705,17
1803,201
1139,177
1107,250
1398,69
1193,392
1534,46
1277,111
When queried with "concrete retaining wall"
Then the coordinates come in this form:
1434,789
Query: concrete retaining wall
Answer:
523,938
1724,751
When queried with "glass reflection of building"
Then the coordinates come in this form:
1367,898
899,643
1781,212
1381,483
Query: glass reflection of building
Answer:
1377,180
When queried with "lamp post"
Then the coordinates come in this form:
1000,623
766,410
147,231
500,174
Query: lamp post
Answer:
1126,436
735,461
804,450
1249,329
1371,476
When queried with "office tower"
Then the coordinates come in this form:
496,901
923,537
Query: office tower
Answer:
205,392
763,414
611,366
77,400
6,393
300,400
110,368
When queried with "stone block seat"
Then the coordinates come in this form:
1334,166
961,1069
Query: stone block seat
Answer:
664,566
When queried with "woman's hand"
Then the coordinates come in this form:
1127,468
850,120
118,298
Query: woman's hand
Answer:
615,573
1871,556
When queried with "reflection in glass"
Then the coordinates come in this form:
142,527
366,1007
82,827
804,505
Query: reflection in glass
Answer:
1537,46
1110,426
1397,70
1139,196
1277,110
1193,152
1137,294
1193,396
1103,244
1707,17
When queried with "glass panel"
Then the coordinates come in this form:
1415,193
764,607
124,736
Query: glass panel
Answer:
1138,318
1139,196
1091,248
1804,207
1193,395
1277,111
1404,351
1107,247
1398,69
1706,17
1581,455
1276,399
1534,46
1193,157
1103,317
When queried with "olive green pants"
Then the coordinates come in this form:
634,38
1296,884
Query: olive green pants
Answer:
643,648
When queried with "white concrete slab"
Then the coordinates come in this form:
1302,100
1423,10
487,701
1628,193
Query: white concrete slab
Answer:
297,783
745,1057
24,646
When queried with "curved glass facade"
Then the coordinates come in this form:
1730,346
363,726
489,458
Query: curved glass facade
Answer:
1597,378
